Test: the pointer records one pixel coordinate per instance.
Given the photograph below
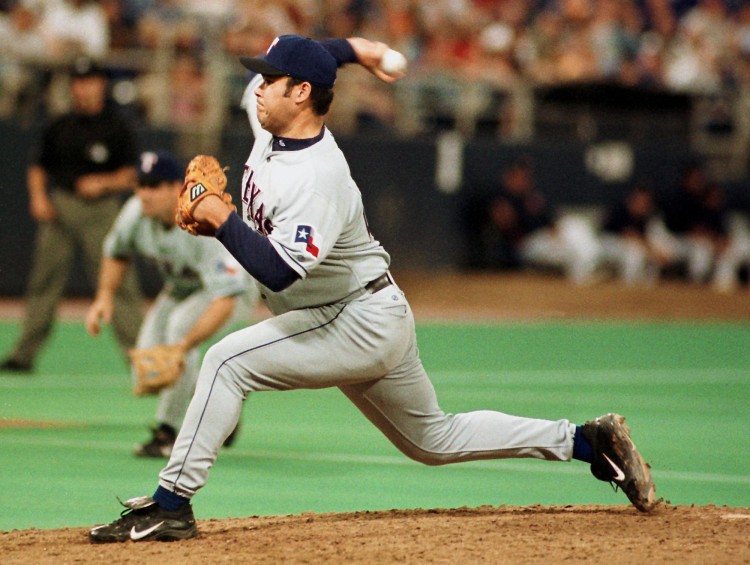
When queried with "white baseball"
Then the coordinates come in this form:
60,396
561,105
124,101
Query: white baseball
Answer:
392,62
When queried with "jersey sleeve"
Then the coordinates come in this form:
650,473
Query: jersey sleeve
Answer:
121,240
220,273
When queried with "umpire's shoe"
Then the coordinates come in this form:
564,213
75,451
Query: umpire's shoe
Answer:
144,520
617,461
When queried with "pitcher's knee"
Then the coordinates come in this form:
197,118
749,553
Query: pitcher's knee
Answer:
426,456
214,356
216,362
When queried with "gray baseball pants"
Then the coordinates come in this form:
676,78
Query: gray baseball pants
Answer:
367,348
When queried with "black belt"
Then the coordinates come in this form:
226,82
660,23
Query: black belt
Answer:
378,284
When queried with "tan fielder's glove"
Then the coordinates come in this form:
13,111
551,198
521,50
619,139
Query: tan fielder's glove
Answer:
156,367
204,177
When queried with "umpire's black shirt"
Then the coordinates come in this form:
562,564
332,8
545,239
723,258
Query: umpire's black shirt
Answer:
75,145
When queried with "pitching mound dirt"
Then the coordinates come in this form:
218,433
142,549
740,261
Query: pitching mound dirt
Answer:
533,534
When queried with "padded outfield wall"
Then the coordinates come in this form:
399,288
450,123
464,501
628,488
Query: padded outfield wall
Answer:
420,194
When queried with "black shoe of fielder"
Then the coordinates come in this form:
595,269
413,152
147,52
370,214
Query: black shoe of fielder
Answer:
231,438
10,365
162,441
617,461
144,520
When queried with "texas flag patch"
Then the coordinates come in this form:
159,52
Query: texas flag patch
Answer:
304,234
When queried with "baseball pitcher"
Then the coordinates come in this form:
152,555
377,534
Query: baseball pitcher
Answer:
340,319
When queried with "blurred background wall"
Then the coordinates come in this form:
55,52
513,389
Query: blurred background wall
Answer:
596,94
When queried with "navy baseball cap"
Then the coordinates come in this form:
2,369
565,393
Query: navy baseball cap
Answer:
155,168
296,56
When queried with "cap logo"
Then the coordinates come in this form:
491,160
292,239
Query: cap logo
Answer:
148,160
273,44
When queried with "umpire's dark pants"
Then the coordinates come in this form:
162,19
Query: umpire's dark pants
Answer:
84,224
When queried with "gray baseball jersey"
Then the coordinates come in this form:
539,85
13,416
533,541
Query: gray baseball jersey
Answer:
313,216
196,270
330,330
187,263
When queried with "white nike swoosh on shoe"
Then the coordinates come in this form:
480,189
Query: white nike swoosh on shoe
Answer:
135,535
619,474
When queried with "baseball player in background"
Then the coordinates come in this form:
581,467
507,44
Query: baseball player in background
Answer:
205,289
339,319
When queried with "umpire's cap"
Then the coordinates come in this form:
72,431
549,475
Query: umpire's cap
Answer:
296,56
157,167
84,67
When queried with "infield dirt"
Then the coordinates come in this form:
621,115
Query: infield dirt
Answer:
533,534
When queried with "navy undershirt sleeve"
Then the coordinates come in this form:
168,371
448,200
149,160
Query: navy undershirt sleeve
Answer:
341,50
256,254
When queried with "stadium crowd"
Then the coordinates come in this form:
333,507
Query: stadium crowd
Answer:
464,54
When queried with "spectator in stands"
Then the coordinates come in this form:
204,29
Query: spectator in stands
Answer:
122,28
491,76
166,24
575,59
436,88
695,46
20,34
76,27
255,24
538,47
740,47
177,98
188,94
709,19
645,67
624,238
22,44
529,236
342,16
86,161
700,49
613,33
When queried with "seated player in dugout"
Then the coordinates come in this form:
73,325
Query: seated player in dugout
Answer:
339,318
205,291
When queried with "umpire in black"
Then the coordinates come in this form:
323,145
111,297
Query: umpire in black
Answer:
85,162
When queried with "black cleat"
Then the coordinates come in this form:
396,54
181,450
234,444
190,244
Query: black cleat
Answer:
617,461
231,438
144,520
162,441
10,365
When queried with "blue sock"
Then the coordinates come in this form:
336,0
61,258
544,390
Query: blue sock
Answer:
582,449
169,500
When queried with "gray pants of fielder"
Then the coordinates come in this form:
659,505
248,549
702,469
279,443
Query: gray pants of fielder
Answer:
167,321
